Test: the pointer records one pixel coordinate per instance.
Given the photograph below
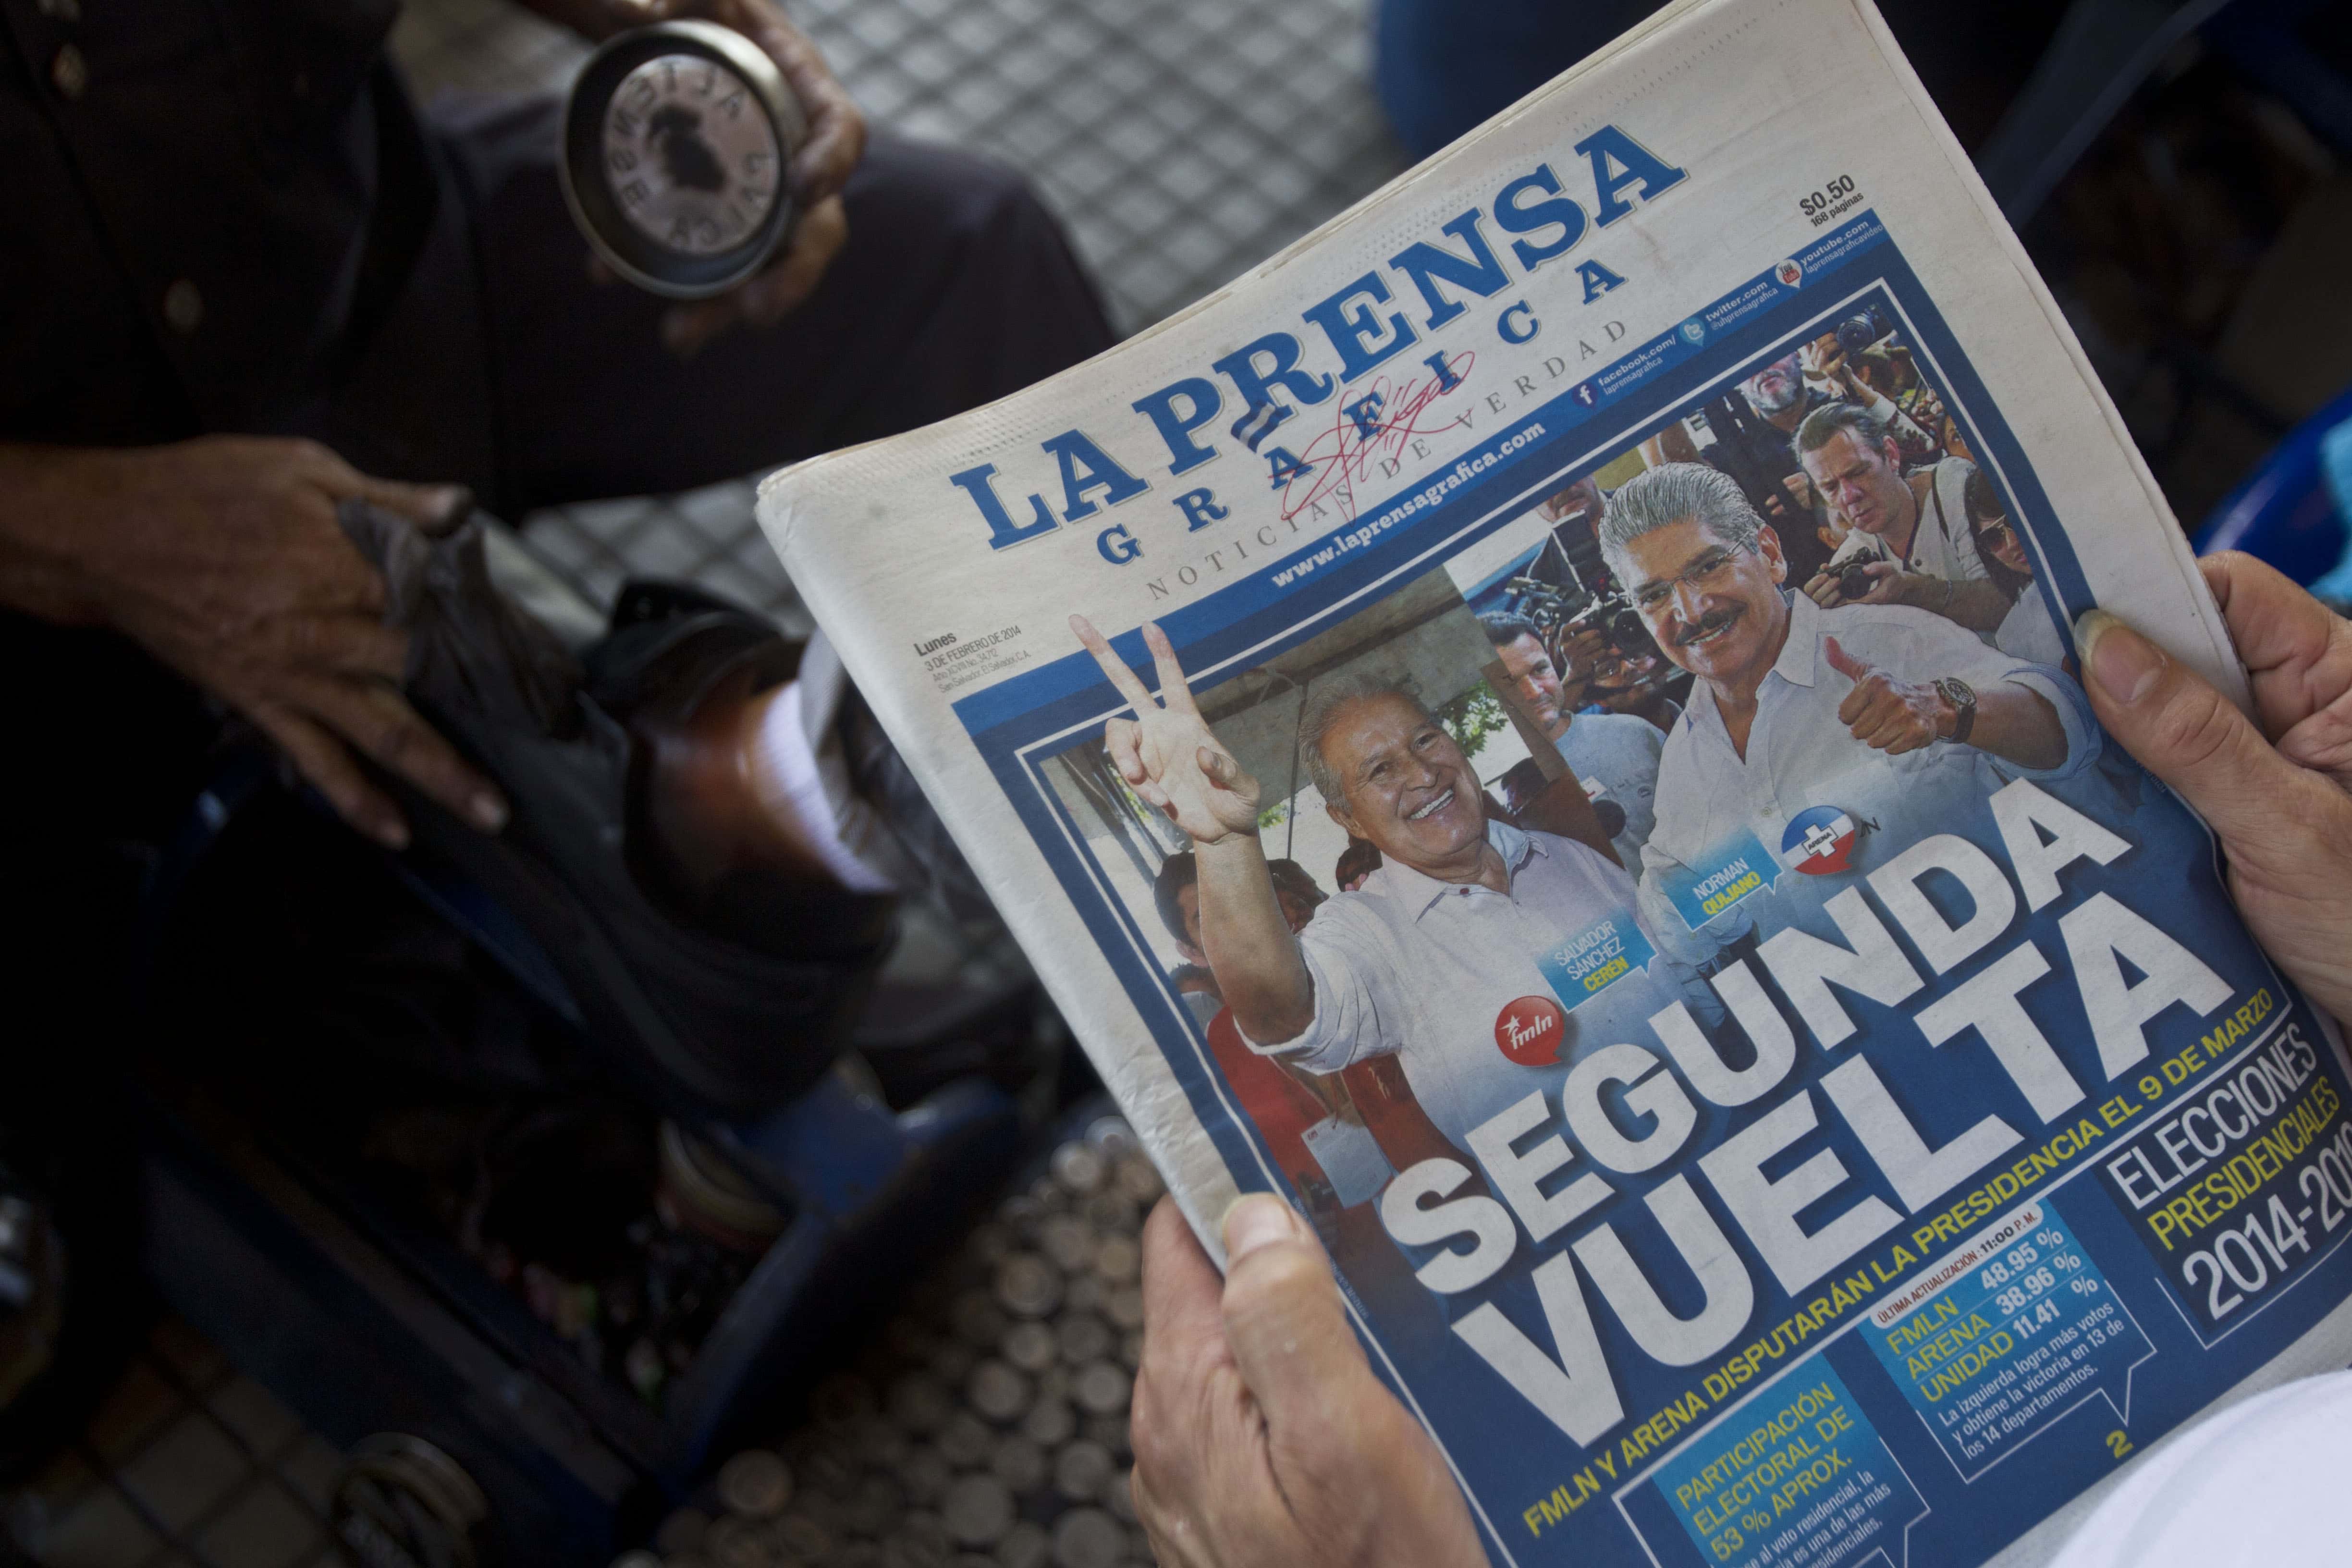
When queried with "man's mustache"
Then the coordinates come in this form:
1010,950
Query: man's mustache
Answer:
1711,622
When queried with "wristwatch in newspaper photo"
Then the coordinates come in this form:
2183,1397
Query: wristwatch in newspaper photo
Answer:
1963,699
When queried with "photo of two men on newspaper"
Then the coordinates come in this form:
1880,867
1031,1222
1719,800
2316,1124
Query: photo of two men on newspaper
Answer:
1591,779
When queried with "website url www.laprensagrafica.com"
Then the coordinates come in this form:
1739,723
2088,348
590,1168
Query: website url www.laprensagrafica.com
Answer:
1421,500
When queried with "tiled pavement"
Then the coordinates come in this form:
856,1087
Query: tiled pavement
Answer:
187,1465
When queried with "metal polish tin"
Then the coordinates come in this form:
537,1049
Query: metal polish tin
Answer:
677,140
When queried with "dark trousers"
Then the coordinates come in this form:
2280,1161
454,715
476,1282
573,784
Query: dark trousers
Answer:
506,365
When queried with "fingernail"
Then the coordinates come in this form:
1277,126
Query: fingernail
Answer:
2125,666
451,502
1255,1220
390,832
489,812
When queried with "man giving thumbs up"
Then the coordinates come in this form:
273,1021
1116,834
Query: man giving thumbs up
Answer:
1878,713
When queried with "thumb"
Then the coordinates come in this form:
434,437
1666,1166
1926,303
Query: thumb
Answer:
2180,728
434,508
1283,1319
1223,770
1845,663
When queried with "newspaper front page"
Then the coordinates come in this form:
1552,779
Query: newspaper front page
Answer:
1778,1086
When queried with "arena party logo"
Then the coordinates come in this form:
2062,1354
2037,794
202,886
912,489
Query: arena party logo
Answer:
1529,1031
1819,841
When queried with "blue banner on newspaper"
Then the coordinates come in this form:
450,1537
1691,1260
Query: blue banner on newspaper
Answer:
1586,964
2006,1337
1796,1476
1737,869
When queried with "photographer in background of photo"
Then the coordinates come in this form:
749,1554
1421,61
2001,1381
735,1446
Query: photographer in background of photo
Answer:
1754,424
1888,369
1752,427
1910,543
1617,752
1835,361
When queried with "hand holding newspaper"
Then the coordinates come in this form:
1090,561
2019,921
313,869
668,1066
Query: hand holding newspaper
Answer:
1540,727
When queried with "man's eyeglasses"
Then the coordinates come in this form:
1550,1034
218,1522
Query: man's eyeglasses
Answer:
1706,571
1994,529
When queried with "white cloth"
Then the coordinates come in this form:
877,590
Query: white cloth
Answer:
1943,544
1423,969
2254,1487
799,775
2028,632
1801,755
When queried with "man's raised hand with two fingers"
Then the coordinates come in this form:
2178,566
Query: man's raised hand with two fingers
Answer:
1175,764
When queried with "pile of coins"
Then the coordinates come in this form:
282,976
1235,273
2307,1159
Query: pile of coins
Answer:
986,1424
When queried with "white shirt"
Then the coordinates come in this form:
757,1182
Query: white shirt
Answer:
2257,1486
1427,969
1712,803
1619,753
2027,632
1942,543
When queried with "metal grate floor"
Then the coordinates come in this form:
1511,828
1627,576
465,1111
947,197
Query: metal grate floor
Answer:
1179,144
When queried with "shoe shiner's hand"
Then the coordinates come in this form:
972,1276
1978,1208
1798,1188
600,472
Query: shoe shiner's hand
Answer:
223,558
2273,787
1261,1439
1167,752
836,141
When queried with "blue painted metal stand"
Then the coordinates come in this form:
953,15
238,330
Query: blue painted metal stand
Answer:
2286,512
363,1323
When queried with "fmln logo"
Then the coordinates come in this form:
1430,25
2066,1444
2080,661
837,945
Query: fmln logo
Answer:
1530,1031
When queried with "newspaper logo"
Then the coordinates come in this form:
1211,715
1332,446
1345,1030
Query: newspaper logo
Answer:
1693,332
1594,959
1789,273
1819,841
1735,870
1258,421
1529,1031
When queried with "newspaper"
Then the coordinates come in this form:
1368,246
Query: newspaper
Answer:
1777,1084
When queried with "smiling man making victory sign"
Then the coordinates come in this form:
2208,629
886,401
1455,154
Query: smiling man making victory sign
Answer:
1489,960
